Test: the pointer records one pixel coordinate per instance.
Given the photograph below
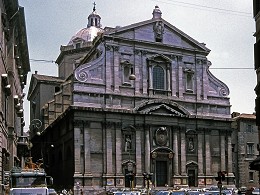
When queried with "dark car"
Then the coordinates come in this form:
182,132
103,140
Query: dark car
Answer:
178,193
242,190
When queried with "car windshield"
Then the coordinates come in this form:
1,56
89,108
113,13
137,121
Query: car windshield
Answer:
28,181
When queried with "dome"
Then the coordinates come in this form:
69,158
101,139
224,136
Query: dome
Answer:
86,34
91,31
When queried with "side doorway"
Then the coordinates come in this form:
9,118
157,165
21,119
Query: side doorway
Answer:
192,171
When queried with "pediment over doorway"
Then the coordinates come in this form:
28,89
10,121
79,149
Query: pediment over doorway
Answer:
162,107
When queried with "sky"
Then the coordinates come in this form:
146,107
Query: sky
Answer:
226,27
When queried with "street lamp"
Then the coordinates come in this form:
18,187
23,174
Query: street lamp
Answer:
36,124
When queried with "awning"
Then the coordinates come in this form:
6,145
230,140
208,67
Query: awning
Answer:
255,164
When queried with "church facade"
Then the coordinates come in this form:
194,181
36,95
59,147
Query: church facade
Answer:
141,100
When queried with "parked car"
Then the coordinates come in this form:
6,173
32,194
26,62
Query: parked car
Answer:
256,191
227,192
163,192
242,190
127,193
52,191
194,192
177,192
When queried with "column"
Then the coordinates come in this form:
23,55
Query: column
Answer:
137,63
180,81
87,157
208,155
168,77
176,155
222,153
118,151
138,152
200,154
229,164
183,153
108,63
144,77
77,145
117,79
147,150
173,78
205,83
150,78
109,149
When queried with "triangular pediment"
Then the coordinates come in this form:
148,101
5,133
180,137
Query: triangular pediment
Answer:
145,31
162,107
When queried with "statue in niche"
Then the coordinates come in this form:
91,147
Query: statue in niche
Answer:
128,143
159,29
191,144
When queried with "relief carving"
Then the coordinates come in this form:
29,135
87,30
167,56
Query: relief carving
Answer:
161,136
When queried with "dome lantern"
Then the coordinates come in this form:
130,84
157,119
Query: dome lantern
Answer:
94,18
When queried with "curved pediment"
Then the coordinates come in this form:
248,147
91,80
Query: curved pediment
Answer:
162,107
159,58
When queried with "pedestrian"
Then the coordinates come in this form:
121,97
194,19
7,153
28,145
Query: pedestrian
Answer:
81,192
70,192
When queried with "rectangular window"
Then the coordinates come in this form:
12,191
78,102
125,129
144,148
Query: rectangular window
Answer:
251,176
77,45
249,128
250,149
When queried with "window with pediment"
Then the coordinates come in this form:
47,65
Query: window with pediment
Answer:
159,74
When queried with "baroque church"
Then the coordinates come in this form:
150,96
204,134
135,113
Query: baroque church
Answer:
132,100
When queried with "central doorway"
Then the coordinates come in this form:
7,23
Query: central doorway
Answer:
161,173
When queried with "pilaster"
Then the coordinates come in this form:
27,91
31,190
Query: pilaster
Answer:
208,155
183,153
176,154
200,154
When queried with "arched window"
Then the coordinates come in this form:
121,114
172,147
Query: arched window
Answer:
158,78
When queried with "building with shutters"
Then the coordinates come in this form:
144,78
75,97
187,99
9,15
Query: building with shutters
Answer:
245,149
14,67
136,99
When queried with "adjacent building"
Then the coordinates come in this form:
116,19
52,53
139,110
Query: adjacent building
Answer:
245,149
14,67
135,99
256,12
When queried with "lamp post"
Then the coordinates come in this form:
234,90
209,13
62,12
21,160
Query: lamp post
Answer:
36,124
35,132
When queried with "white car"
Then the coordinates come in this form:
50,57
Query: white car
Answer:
256,191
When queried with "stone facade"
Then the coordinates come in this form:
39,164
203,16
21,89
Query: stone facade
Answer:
14,67
142,99
256,12
244,139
